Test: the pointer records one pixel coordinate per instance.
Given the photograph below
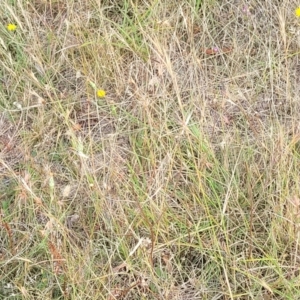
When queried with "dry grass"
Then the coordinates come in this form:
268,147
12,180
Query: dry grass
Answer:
182,183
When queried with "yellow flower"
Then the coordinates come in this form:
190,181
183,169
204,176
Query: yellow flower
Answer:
297,11
11,27
101,93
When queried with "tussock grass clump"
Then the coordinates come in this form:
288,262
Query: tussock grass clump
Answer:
149,150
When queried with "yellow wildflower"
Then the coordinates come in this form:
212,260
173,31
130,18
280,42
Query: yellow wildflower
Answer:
297,11
101,93
11,27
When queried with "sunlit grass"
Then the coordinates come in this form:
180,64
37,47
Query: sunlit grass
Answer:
149,150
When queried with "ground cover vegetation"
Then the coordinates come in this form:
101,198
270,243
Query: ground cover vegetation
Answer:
149,149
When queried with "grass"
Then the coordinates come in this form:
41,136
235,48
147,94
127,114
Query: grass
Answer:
182,182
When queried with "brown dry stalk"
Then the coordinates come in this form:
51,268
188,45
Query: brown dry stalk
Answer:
215,50
57,258
59,265
9,233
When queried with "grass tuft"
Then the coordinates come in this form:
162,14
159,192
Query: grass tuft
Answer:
149,150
